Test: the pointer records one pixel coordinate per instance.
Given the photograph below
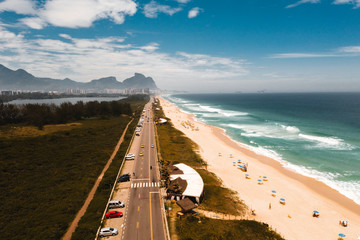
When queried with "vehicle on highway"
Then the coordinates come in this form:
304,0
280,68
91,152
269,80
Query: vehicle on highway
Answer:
104,232
124,178
116,204
152,145
114,214
130,156
142,145
141,154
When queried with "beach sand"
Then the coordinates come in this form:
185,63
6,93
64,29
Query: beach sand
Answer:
303,195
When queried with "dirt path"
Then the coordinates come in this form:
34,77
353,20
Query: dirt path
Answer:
82,211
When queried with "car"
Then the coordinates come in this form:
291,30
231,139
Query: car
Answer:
116,204
141,154
130,156
124,178
114,214
142,145
152,145
104,232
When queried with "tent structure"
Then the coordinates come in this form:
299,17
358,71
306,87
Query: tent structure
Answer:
186,205
195,184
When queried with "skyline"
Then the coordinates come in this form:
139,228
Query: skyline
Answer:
197,46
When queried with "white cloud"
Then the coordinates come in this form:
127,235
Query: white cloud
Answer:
302,2
86,59
66,36
350,49
70,13
33,22
194,12
301,55
74,14
356,3
152,9
18,6
183,1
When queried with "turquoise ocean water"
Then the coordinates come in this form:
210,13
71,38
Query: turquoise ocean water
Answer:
314,134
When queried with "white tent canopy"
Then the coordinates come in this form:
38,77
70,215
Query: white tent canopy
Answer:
195,184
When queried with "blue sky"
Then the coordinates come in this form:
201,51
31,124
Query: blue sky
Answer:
193,45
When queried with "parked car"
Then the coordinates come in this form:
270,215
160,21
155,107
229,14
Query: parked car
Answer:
114,214
104,232
142,145
141,154
116,204
130,156
124,178
152,145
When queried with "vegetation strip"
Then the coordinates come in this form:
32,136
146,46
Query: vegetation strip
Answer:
82,211
174,148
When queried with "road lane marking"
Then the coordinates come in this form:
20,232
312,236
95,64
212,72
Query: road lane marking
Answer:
141,179
139,195
137,224
138,208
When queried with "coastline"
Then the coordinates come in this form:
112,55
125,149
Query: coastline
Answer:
303,194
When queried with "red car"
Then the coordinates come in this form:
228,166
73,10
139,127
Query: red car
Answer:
114,214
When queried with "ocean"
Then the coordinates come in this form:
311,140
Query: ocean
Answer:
314,134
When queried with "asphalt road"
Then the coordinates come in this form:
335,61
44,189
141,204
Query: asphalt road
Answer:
144,219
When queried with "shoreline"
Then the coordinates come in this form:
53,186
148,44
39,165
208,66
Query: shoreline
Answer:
303,194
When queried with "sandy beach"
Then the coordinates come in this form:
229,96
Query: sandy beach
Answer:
302,194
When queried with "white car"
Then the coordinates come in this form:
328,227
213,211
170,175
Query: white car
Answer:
152,145
130,156
116,204
104,232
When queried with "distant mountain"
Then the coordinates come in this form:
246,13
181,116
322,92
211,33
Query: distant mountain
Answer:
139,81
22,80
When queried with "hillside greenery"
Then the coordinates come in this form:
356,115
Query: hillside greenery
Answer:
45,178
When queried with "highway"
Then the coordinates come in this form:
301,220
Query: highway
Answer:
144,218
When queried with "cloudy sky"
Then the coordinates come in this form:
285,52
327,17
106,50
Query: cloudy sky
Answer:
193,45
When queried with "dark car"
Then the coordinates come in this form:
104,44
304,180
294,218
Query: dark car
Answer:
124,178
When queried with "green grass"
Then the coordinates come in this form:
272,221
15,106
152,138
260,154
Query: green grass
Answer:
189,228
45,179
90,222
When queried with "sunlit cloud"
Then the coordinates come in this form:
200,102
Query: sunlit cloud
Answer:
69,13
356,3
152,9
194,12
302,2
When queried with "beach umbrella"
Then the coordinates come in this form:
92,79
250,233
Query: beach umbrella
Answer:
282,201
259,180
265,178
234,163
273,191
315,211
342,235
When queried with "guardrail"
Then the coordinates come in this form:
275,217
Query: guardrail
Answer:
113,189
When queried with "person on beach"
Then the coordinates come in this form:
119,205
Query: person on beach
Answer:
269,205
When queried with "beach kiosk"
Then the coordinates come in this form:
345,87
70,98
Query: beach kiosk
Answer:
282,201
